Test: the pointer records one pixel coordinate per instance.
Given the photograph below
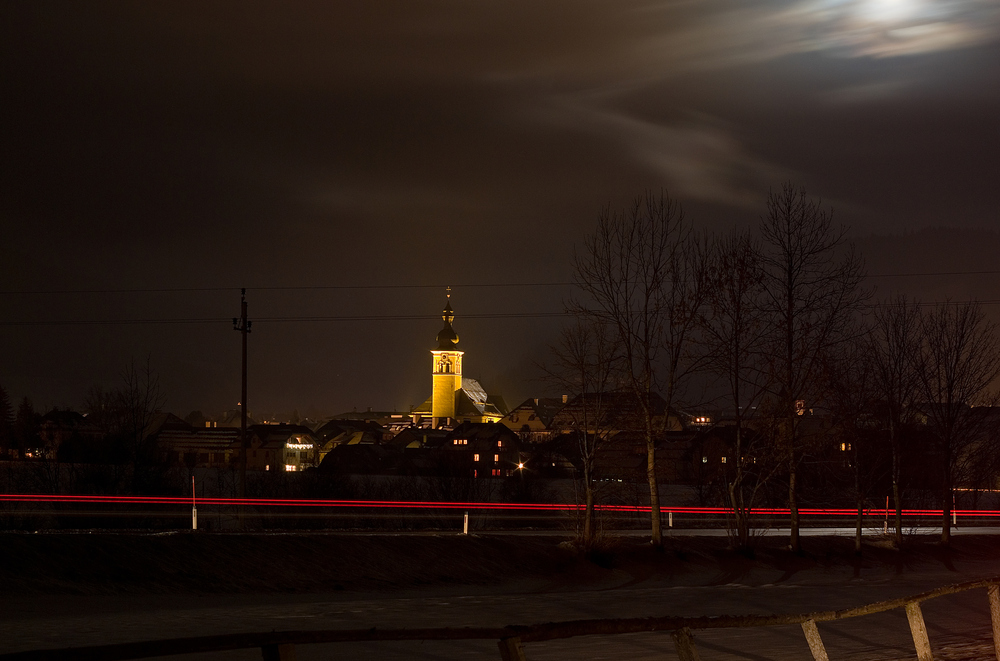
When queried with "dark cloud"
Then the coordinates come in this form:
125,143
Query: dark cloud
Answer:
260,144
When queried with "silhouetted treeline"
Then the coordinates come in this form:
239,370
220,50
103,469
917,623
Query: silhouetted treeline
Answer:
830,397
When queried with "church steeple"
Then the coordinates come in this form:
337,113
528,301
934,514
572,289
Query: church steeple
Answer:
446,367
447,338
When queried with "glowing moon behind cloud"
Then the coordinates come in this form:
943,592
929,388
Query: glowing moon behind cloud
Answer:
889,11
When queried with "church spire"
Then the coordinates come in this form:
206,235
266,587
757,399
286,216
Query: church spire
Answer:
447,338
446,369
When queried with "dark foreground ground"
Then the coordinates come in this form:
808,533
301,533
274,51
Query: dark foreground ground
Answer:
113,563
60,590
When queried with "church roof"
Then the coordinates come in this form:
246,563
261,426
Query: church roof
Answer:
475,391
473,400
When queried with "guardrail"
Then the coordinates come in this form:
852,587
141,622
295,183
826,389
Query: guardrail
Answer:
511,640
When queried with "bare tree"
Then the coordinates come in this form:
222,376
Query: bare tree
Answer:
851,382
733,330
959,361
100,407
642,270
584,363
135,403
25,429
893,351
812,284
6,424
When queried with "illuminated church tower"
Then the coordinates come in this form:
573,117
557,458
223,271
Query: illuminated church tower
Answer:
454,399
446,368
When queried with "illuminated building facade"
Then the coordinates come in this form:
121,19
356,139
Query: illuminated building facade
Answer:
454,398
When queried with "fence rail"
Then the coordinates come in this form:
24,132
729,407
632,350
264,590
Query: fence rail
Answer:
280,646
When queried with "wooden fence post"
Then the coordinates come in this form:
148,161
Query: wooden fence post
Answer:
994,593
511,650
684,642
815,641
279,652
919,631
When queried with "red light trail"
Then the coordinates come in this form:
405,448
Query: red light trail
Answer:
410,504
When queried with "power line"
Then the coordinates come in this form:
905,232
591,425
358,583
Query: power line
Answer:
930,273
471,285
169,290
352,318
283,319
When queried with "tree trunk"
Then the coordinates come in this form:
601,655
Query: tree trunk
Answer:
654,491
740,517
736,493
588,513
946,498
898,504
897,500
859,524
793,538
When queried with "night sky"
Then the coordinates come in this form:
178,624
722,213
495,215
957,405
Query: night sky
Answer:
345,161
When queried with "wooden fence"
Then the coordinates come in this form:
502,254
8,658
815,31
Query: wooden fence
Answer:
280,646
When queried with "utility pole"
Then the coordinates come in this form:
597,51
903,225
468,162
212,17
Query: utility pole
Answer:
243,326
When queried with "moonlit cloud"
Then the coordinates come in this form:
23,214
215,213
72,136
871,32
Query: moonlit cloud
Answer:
698,157
843,28
857,94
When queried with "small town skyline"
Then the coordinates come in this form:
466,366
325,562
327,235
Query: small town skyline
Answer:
917,264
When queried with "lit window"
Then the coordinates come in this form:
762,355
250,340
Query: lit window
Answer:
704,460
723,460
475,457
499,444
496,457
289,468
